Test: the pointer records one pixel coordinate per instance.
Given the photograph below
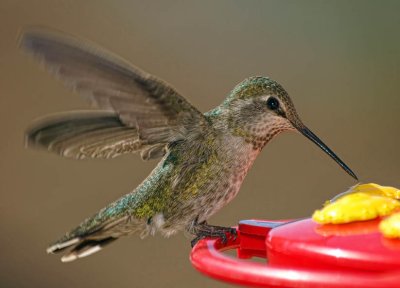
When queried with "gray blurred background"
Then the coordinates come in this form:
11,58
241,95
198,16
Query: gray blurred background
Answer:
339,60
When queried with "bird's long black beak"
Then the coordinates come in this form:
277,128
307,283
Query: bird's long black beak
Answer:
310,135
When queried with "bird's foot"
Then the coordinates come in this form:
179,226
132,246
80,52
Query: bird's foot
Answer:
203,230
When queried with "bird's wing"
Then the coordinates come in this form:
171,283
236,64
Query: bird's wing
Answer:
88,134
157,111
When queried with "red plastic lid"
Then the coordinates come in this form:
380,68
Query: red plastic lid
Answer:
357,245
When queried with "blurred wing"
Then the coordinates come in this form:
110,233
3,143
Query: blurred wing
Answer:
141,101
88,134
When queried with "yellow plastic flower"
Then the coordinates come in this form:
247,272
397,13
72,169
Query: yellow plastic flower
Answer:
390,227
371,188
357,206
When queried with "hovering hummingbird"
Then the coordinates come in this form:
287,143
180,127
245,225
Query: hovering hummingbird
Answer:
204,157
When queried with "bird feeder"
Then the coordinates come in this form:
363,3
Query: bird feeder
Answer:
345,244
303,253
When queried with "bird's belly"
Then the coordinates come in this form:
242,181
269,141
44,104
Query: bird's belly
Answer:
214,195
220,197
226,187
198,210
219,189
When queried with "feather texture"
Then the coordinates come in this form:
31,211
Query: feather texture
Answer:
140,100
84,134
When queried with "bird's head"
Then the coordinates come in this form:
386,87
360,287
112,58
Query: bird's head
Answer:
259,109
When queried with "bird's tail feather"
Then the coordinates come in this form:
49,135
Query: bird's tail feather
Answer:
80,247
81,243
86,248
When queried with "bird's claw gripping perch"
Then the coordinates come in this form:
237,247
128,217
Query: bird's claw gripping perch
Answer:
204,230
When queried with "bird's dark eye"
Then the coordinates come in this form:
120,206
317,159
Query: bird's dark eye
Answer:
272,103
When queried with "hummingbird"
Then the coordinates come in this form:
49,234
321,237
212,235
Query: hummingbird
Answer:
203,157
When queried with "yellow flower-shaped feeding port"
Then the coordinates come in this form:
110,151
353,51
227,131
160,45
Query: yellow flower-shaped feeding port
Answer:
362,202
390,227
375,189
371,188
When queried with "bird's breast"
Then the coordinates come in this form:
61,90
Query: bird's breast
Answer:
227,184
206,180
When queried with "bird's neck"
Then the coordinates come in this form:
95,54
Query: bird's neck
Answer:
233,145
251,136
